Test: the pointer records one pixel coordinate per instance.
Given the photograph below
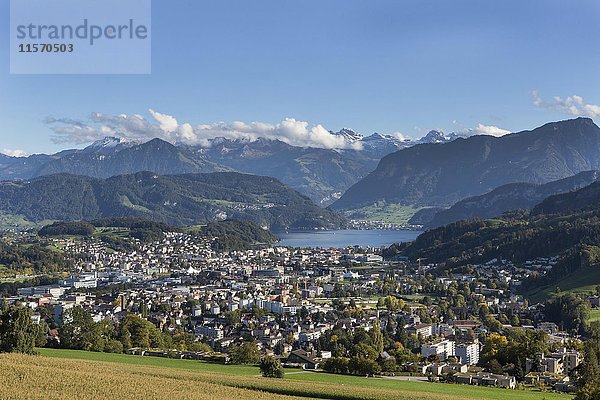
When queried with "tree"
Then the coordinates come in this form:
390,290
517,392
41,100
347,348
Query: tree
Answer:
519,372
434,358
339,350
198,347
494,366
589,382
135,331
568,309
260,312
377,337
40,339
363,366
271,367
389,365
233,318
303,313
336,365
393,304
246,353
494,343
79,331
113,346
279,348
363,350
18,333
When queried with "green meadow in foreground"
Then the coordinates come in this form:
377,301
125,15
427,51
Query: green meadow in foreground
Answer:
232,378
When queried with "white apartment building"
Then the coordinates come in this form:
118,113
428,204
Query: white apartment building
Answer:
444,349
468,353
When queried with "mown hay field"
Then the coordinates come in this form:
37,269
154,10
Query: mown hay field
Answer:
68,375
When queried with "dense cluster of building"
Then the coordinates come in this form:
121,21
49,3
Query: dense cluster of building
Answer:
181,281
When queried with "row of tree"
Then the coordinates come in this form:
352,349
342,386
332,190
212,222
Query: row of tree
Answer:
80,331
589,383
18,333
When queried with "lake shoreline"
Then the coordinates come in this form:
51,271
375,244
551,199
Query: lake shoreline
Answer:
343,238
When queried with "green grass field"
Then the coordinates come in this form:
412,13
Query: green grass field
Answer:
124,200
595,315
579,282
190,365
11,221
462,391
307,384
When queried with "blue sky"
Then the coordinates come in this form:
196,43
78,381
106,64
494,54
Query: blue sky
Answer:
385,66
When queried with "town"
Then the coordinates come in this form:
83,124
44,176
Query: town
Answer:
348,311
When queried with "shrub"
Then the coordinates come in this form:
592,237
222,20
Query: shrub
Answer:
271,367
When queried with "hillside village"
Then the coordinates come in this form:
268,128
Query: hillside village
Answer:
338,310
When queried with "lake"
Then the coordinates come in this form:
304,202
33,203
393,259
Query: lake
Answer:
345,238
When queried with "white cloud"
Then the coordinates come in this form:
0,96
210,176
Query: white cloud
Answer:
166,122
572,105
13,153
491,130
481,129
135,127
166,127
400,136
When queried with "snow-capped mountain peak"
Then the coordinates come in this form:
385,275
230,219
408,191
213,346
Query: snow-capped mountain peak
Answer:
349,135
375,136
434,136
109,144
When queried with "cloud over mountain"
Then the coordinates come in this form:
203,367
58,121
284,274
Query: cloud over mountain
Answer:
166,127
13,153
572,105
136,127
490,130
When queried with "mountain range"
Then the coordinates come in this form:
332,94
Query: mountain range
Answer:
512,196
321,174
469,174
558,223
187,199
441,174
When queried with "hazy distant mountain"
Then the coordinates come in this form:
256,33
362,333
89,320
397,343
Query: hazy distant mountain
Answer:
103,161
443,173
178,199
106,158
513,196
322,174
22,167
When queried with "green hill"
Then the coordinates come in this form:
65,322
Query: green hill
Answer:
565,225
178,199
584,280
